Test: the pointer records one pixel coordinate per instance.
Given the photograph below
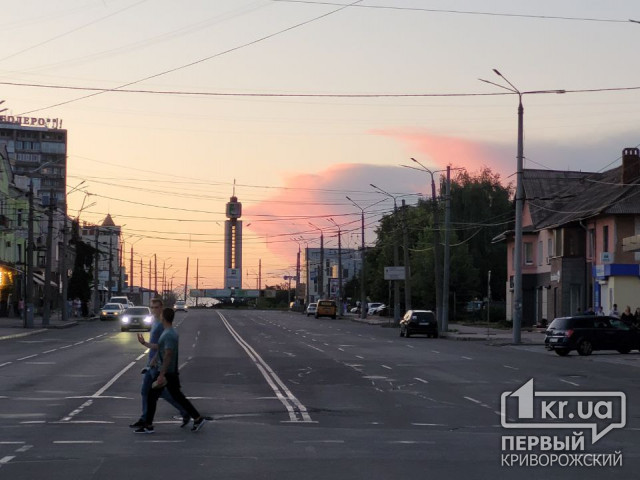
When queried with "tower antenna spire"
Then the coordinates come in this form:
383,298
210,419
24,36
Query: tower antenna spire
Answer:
234,187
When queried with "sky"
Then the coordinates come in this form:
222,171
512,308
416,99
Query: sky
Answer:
303,103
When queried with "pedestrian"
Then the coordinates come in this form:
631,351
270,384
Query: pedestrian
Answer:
168,377
589,311
636,317
20,306
600,311
77,305
627,317
151,370
614,311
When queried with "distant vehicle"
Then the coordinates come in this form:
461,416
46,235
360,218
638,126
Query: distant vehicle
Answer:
111,311
180,305
419,322
136,317
588,333
355,310
373,306
122,300
326,308
311,309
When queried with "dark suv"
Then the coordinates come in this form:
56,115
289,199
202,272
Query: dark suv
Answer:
419,321
588,333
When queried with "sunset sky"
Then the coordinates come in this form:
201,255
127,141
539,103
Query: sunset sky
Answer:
289,122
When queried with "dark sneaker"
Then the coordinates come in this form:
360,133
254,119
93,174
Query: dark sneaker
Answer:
185,421
144,370
138,424
198,424
143,430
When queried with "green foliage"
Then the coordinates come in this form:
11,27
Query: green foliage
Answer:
480,210
81,280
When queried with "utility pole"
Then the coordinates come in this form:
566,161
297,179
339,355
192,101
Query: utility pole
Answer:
155,270
197,279
96,294
64,278
363,296
297,273
46,297
447,266
407,263
28,294
186,280
260,274
149,278
110,282
120,261
141,278
340,303
131,275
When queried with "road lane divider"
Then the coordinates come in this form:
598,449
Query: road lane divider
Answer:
297,411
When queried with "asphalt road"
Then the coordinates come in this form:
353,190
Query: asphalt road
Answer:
292,397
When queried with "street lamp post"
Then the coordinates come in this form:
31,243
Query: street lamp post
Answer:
363,296
435,239
517,280
340,302
396,255
321,271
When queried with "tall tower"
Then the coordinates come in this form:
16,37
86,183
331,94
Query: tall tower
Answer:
233,243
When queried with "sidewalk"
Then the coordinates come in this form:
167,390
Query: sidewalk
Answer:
13,327
457,331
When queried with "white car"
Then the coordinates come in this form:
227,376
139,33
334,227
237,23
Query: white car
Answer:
136,317
180,305
373,307
311,309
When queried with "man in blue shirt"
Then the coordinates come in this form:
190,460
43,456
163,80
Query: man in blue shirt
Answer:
168,377
151,370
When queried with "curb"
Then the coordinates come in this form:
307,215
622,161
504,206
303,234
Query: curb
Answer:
23,334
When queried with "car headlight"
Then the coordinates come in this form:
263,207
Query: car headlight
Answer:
148,319
125,319
115,313
103,313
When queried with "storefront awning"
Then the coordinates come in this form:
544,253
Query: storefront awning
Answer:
38,278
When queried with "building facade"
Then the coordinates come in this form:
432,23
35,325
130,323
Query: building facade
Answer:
310,266
574,226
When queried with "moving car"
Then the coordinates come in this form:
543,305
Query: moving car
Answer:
111,311
326,308
588,333
311,309
419,322
136,317
180,305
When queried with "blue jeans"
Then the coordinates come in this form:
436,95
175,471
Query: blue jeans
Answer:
148,379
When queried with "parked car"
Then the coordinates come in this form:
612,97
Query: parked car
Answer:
588,333
111,311
419,322
373,306
311,309
180,305
136,317
326,308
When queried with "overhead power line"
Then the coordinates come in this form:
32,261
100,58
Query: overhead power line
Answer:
470,12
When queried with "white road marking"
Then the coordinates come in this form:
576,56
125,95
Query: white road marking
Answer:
30,356
387,367
435,351
570,383
160,441
49,351
420,380
297,411
5,363
341,349
11,443
473,400
409,346
429,424
509,366
73,442
410,442
40,363
360,357
467,358
24,448
315,348
7,459
318,441
66,346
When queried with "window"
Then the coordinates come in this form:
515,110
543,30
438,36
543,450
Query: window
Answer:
558,251
591,242
549,250
539,252
528,253
605,238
